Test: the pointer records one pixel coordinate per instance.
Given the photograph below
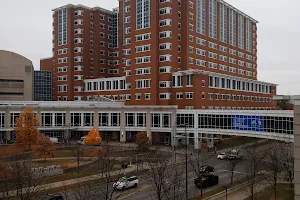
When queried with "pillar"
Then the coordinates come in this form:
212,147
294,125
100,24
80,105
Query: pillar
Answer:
174,141
210,142
122,126
196,134
68,125
7,124
148,125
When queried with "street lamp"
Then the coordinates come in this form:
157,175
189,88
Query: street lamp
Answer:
226,191
186,162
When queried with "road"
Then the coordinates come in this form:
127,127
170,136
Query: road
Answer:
145,190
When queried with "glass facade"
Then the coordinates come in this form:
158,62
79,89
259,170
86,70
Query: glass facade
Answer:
42,86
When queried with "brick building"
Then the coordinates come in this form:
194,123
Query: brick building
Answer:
197,54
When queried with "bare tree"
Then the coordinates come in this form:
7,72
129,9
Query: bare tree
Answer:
232,163
158,176
253,167
274,164
78,152
20,180
288,162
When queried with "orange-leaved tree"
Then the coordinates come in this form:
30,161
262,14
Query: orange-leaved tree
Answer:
44,147
143,141
93,137
26,128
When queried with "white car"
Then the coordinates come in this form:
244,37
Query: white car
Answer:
235,154
126,182
81,141
222,156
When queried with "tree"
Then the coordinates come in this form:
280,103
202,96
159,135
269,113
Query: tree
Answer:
288,162
21,180
93,138
26,128
274,164
232,163
44,147
255,158
142,140
283,104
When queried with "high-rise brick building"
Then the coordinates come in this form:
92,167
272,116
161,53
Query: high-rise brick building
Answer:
199,54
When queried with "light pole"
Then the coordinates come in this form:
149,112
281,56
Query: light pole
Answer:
226,191
186,164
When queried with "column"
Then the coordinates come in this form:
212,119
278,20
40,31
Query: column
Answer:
96,120
68,125
148,125
7,123
122,126
210,142
173,128
196,135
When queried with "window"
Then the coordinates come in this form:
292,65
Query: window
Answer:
142,37
212,55
164,96
189,95
165,46
203,95
189,79
138,96
62,88
140,71
165,22
165,58
142,14
166,10
179,95
200,52
213,19
143,48
142,83
201,41
165,34
212,45
147,96
165,70
145,59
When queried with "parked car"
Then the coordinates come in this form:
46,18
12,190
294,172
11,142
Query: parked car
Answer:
56,197
126,182
81,141
54,140
206,169
235,154
206,181
222,155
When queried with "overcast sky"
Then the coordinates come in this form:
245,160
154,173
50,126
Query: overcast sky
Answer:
26,27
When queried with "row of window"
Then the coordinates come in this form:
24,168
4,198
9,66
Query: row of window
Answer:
232,97
234,83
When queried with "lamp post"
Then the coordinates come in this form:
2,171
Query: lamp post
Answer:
226,196
186,164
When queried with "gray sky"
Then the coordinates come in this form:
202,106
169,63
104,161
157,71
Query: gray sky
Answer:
26,27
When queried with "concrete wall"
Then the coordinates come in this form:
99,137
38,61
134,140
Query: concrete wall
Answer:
15,67
297,150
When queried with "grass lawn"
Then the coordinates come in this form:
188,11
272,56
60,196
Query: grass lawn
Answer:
233,142
63,163
284,192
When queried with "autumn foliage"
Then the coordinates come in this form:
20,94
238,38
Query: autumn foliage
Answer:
93,138
44,147
142,140
26,128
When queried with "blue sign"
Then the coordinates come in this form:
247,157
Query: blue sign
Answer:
247,123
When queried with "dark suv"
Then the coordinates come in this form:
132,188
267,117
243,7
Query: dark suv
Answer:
206,181
206,169
56,197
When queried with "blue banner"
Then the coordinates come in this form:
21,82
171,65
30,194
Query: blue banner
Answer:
247,123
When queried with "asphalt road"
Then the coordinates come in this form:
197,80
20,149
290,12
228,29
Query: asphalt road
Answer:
145,190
